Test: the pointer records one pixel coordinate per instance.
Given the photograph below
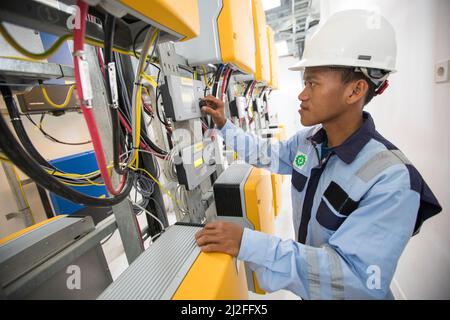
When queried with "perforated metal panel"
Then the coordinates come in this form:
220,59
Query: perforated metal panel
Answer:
158,272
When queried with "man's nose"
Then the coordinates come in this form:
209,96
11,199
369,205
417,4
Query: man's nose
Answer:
303,96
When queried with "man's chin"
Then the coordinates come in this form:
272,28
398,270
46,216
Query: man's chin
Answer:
307,122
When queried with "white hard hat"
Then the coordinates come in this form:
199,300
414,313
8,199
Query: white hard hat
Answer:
353,38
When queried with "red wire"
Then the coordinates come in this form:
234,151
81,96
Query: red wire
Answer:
225,81
78,46
142,144
101,62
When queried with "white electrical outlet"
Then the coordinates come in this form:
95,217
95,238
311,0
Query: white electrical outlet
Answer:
442,71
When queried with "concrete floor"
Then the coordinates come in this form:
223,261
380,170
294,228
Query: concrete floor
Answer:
117,261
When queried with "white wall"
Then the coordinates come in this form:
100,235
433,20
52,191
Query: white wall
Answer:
70,127
284,101
414,114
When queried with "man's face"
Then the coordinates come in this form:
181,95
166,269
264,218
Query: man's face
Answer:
322,99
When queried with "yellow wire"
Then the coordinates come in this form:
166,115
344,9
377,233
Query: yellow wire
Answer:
138,127
149,79
24,196
158,183
39,56
204,76
72,176
80,185
19,58
137,141
55,46
56,105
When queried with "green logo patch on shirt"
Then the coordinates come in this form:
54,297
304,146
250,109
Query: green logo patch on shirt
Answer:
300,159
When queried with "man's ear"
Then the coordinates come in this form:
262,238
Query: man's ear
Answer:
356,90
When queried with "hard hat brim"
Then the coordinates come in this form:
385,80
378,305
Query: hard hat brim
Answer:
304,63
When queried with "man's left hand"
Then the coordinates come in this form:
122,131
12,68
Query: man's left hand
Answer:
220,236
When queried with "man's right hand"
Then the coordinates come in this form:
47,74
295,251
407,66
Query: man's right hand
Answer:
216,109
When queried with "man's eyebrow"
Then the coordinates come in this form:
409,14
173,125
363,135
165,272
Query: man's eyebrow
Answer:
310,77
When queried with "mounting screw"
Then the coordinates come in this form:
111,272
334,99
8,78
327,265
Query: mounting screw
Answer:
442,72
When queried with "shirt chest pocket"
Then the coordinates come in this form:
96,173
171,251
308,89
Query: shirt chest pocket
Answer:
335,206
298,180
300,169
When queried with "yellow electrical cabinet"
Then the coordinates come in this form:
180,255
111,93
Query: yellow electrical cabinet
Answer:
178,18
235,34
214,276
226,36
258,200
277,182
273,55
279,134
243,194
174,268
262,73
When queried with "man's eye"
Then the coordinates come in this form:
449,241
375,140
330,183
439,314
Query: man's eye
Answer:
309,84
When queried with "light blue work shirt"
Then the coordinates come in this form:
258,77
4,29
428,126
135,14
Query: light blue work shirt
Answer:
354,212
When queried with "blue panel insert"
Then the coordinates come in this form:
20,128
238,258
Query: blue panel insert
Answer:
80,163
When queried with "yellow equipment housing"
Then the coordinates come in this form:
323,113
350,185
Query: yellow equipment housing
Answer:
278,179
226,36
234,33
262,73
214,276
243,195
277,183
178,18
274,64
173,268
258,200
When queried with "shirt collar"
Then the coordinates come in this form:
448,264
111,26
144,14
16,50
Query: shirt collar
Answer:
349,149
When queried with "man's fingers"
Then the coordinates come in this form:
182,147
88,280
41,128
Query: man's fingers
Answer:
213,102
209,111
211,248
211,99
207,239
204,232
214,224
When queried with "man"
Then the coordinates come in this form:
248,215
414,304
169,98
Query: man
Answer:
356,198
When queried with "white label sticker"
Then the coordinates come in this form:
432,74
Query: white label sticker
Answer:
85,79
113,84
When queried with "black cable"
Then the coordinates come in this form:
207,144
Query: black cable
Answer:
217,79
136,37
157,110
125,108
228,81
185,69
50,137
32,169
110,22
20,129
249,84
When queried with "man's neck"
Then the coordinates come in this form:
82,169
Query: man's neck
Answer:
342,127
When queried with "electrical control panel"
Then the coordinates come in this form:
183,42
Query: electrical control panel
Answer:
181,97
195,163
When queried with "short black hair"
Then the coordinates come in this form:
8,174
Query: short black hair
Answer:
348,74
